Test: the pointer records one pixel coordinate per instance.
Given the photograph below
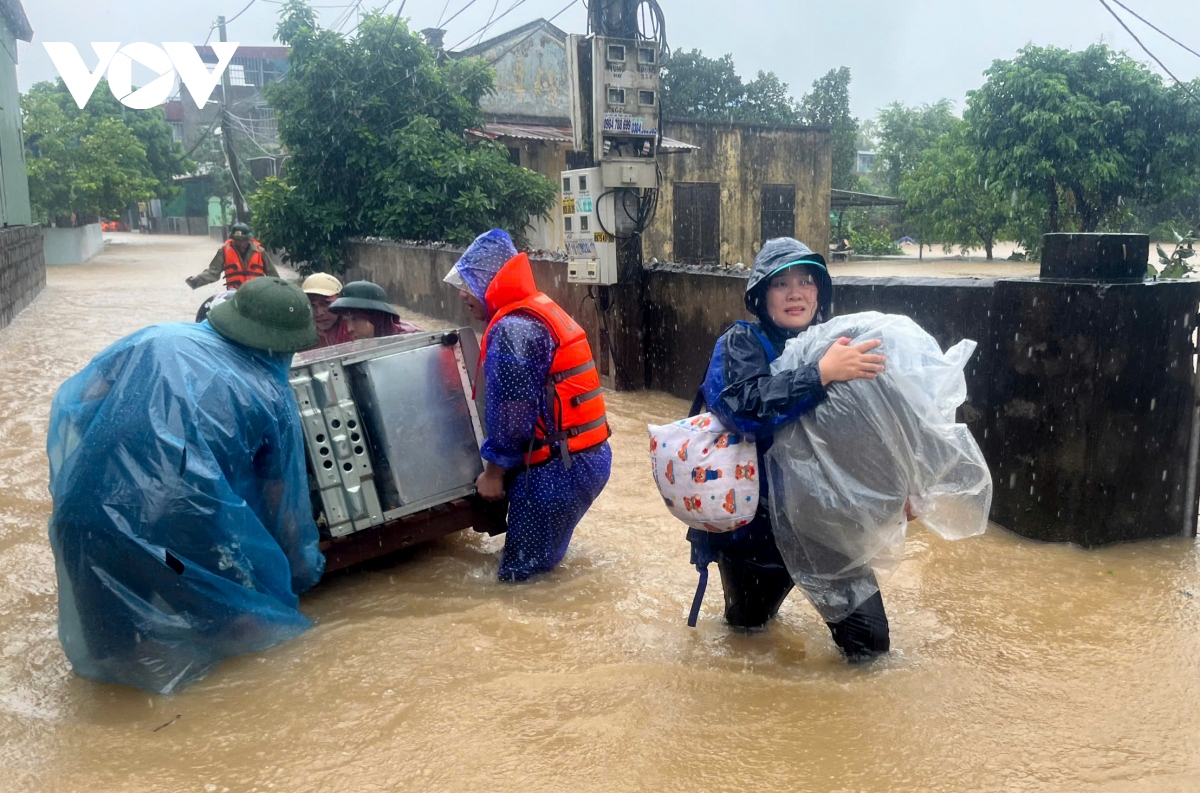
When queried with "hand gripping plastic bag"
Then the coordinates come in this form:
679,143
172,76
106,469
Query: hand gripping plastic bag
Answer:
182,527
840,476
708,476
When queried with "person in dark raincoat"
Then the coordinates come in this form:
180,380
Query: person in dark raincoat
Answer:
547,448
789,289
182,527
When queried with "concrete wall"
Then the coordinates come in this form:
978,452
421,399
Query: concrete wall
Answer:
1082,396
741,158
413,277
531,78
14,181
22,269
72,246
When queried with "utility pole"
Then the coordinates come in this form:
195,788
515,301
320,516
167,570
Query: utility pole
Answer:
608,204
239,200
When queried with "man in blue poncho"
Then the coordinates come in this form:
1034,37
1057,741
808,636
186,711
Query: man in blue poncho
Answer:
547,447
182,528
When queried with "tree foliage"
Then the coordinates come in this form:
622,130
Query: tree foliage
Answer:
828,104
93,162
950,198
904,134
374,125
698,88
1089,132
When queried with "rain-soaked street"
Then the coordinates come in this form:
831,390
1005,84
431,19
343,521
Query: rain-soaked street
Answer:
1016,666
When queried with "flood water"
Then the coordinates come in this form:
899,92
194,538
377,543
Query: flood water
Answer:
1016,666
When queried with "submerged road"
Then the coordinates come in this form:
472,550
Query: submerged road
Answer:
1017,666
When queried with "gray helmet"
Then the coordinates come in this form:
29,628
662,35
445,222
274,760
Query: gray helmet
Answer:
777,255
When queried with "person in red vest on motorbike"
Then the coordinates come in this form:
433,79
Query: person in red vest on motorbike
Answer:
547,448
241,259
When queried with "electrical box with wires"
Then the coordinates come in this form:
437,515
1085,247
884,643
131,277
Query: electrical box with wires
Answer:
625,107
589,228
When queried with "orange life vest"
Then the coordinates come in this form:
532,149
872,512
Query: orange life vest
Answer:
573,385
236,273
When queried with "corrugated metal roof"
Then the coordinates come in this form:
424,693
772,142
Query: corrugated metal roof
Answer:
524,132
493,131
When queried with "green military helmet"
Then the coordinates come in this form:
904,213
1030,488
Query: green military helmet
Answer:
239,230
267,314
363,295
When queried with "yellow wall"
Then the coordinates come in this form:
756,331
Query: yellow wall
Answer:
741,158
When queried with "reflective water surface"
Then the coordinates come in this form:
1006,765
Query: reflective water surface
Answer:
1017,666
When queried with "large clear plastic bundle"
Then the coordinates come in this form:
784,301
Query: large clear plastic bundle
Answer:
841,475
182,527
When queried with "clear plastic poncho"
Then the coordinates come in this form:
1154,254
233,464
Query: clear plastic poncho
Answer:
840,475
182,528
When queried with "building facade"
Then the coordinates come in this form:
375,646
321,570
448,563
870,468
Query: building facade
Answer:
22,247
726,187
743,185
14,180
250,71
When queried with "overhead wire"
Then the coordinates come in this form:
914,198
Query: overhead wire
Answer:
485,28
460,11
1156,59
1156,29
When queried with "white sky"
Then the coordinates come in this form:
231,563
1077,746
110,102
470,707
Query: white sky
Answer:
909,50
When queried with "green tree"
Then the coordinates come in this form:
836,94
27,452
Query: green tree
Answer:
905,133
828,104
165,158
79,165
1089,132
950,199
696,87
374,130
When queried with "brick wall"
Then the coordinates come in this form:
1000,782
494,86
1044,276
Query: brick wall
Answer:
22,269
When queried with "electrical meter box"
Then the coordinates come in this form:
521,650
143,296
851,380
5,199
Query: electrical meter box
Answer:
589,223
625,107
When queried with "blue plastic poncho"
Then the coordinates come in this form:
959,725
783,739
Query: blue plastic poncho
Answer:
482,260
182,528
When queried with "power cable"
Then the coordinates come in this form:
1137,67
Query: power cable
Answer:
203,136
227,21
1155,28
442,15
1162,65
491,22
460,11
345,17
380,12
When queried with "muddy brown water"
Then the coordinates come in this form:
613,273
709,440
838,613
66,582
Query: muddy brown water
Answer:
1017,666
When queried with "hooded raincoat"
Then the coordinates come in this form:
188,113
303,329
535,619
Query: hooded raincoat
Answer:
740,389
182,528
545,501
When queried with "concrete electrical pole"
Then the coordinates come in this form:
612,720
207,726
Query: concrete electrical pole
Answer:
239,201
607,207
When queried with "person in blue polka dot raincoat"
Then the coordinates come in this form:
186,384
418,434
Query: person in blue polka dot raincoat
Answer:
547,448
